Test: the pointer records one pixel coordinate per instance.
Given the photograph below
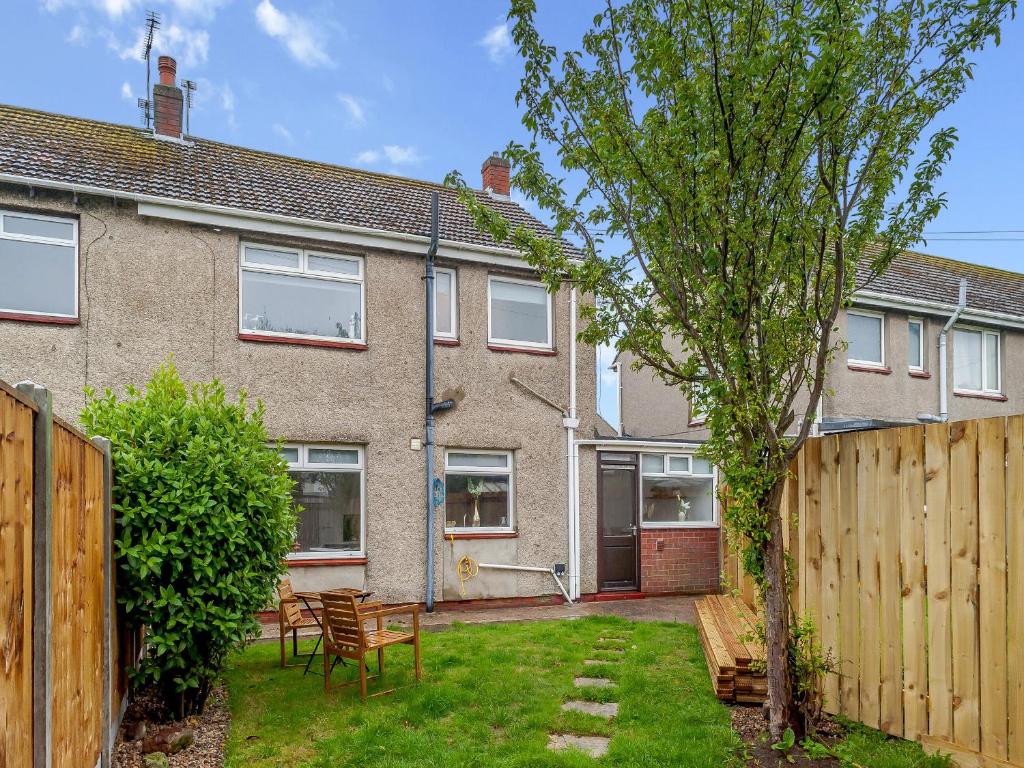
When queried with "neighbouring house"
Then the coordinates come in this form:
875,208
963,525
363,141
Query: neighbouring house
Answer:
889,374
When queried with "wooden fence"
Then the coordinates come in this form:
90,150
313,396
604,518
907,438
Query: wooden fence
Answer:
61,687
909,553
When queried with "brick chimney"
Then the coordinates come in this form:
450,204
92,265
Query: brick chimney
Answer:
495,174
167,100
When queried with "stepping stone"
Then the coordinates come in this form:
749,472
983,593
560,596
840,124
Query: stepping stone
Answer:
607,711
593,682
610,640
593,662
595,746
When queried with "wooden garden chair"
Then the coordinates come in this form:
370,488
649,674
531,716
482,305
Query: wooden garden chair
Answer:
346,635
289,616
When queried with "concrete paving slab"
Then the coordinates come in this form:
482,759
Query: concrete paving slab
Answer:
595,662
607,711
595,746
593,682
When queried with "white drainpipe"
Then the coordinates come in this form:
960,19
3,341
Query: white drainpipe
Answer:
943,386
571,422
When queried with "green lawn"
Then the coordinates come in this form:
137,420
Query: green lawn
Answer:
491,695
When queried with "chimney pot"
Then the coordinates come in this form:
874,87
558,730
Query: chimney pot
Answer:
168,68
495,174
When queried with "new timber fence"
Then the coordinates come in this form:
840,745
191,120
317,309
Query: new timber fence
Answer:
62,682
908,545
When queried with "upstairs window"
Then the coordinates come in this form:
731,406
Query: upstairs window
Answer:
915,345
329,489
977,361
865,338
291,292
39,265
446,305
519,313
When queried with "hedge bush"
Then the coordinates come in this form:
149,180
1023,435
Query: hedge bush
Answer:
204,521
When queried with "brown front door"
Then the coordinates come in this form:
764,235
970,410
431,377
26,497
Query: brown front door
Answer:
618,523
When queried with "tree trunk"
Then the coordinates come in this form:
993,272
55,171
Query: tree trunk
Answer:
776,619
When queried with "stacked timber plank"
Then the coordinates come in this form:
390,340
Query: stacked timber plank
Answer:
735,660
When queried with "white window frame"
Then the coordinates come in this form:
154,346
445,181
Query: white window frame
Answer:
919,322
714,522
512,342
464,470
73,242
987,334
881,330
303,464
453,335
303,270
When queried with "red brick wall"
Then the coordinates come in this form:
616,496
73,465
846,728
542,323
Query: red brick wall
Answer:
679,560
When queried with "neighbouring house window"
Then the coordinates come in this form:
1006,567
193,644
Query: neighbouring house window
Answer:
329,489
446,321
676,490
977,361
915,345
292,292
478,491
39,265
864,337
519,313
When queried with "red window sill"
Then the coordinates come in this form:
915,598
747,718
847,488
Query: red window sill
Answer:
920,374
982,396
522,350
447,342
882,369
45,319
505,535
325,561
354,345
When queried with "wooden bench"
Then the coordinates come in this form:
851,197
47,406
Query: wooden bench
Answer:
346,635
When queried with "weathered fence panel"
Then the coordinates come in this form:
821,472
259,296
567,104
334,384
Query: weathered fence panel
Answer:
909,551
60,691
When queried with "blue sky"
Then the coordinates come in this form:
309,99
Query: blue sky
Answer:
419,88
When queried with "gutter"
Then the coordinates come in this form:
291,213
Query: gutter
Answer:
982,316
943,386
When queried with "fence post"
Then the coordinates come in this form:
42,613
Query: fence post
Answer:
42,562
109,722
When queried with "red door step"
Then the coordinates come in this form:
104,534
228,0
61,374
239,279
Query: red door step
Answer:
601,597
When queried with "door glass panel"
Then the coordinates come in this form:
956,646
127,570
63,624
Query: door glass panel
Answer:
618,501
628,458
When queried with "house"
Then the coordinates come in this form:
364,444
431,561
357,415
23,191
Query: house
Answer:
889,374
303,283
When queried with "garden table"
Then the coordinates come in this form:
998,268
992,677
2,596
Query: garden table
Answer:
314,597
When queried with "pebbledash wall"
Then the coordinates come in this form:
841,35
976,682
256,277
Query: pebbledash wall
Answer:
151,287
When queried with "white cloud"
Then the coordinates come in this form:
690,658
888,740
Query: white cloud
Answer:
401,155
126,91
210,95
354,107
115,9
497,42
191,47
200,9
78,34
303,40
282,132
368,157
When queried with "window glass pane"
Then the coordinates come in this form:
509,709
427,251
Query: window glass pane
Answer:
290,454
701,466
652,462
519,312
678,463
478,460
338,266
271,258
27,225
477,501
864,335
630,457
991,361
443,321
37,277
967,360
333,456
331,511
677,500
301,305
914,345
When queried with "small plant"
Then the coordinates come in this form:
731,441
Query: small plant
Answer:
808,668
204,521
785,744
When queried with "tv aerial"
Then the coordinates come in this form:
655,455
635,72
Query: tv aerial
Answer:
145,102
190,87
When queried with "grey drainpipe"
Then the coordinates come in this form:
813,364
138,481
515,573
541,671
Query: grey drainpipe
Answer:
943,386
429,411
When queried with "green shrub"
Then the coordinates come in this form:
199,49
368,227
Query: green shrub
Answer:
204,521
